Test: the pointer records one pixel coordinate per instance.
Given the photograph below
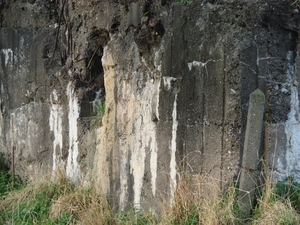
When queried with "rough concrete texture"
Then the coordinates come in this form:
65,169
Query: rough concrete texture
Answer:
175,79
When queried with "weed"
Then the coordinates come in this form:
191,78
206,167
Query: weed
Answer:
3,163
136,217
198,200
84,205
7,185
272,208
289,190
6,179
99,108
31,204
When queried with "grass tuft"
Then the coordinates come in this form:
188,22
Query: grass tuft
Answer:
274,208
198,200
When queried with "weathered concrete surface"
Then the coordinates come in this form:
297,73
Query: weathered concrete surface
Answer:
252,155
175,79
284,148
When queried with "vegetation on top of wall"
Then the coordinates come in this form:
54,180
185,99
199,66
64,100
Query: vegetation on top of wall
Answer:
197,201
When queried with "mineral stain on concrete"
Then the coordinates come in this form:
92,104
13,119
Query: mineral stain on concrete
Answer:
55,122
173,147
72,168
292,126
8,56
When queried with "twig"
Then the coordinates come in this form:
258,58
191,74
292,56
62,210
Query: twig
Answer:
59,24
89,64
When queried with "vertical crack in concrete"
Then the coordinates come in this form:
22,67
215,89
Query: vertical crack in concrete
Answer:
204,103
72,169
223,120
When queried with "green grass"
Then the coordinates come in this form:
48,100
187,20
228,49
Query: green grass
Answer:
197,200
289,189
31,204
6,183
274,206
135,217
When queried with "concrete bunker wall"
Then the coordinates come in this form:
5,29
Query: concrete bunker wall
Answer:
175,79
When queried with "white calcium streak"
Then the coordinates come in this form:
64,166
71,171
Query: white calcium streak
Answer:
72,169
167,82
173,182
123,177
293,128
144,140
55,122
137,163
153,164
8,55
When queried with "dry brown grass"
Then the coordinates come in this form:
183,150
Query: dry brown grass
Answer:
86,206
59,184
198,200
278,213
271,210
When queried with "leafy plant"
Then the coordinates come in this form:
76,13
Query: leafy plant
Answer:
99,108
